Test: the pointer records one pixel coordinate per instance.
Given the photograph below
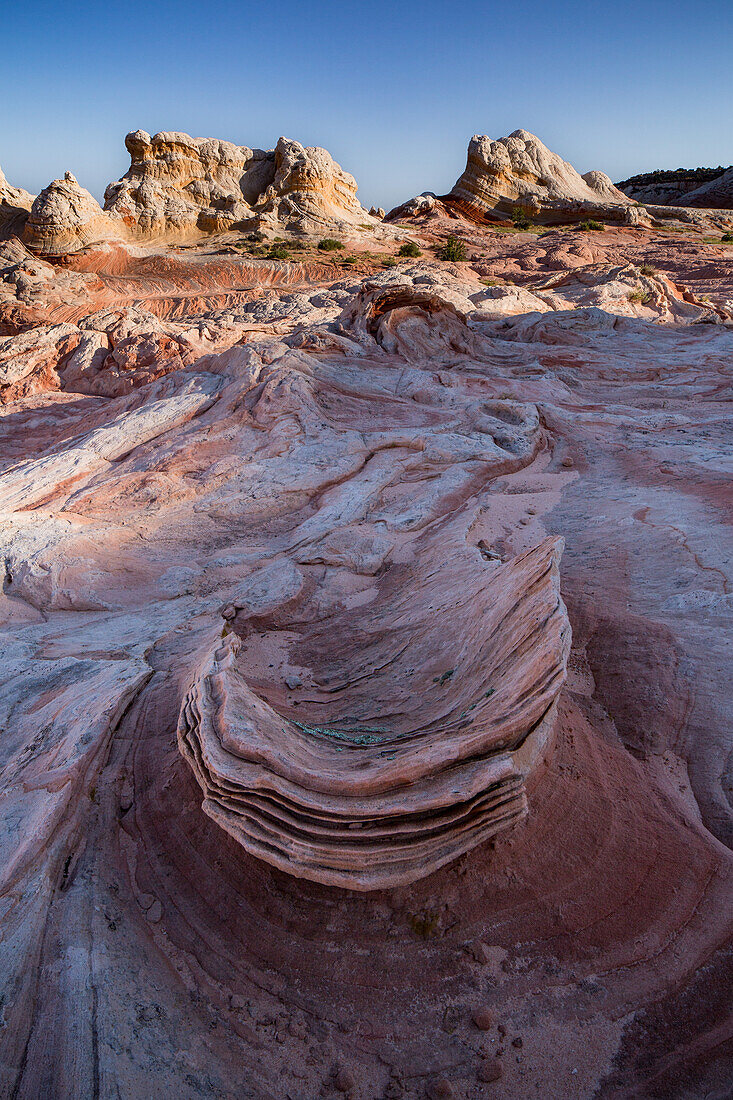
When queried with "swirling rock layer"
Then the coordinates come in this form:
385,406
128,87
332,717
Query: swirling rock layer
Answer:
394,764
302,474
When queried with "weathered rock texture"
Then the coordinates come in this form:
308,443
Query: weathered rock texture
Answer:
520,172
391,767
182,186
66,217
297,490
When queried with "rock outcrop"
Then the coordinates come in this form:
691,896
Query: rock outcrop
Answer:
66,217
520,172
179,186
704,187
379,779
15,203
716,194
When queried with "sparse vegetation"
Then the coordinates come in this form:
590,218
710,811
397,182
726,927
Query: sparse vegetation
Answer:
639,296
647,269
727,237
330,244
454,250
389,262
592,225
278,252
520,219
410,250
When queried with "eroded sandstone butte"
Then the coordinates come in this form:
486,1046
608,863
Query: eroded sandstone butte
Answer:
518,174
179,187
264,522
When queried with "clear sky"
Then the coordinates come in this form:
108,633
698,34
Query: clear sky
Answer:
394,90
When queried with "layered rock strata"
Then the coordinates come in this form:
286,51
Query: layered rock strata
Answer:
65,217
405,753
520,172
178,185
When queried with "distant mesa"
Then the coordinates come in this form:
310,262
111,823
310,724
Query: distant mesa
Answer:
708,188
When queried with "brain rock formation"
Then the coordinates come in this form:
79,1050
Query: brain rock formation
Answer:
519,171
66,217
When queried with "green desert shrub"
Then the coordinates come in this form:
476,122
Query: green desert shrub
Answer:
647,269
591,224
410,249
389,262
278,252
520,219
727,237
453,250
639,296
330,244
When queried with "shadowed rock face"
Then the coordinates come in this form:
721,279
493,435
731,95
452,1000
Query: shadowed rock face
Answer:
280,547
14,206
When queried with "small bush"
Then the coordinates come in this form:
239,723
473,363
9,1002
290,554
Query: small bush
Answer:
647,269
330,244
727,237
453,250
410,249
639,296
591,225
389,262
520,219
277,252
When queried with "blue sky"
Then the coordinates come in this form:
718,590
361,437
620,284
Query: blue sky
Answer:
394,90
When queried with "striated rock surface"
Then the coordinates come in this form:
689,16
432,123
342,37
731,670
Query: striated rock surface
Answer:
66,217
519,171
394,764
673,188
716,193
258,517
182,186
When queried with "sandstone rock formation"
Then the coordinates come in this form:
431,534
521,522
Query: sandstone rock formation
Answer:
378,781
716,193
15,204
519,171
66,217
182,186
